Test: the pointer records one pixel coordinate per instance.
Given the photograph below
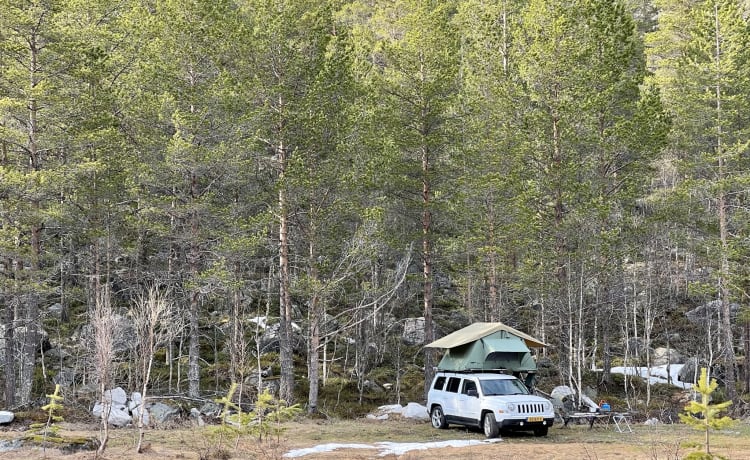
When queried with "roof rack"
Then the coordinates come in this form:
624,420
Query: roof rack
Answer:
476,371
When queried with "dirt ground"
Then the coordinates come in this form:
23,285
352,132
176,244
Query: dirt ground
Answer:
574,442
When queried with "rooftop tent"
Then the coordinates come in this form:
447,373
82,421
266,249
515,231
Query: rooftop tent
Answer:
487,346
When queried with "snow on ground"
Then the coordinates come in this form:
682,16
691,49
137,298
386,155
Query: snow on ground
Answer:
387,448
411,410
656,374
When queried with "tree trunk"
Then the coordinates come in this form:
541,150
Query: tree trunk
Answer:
429,332
286,383
194,369
28,351
314,355
9,345
726,320
747,357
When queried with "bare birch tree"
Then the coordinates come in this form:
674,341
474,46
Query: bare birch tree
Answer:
156,322
103,321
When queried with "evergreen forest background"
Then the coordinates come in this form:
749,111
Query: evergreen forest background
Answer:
178,178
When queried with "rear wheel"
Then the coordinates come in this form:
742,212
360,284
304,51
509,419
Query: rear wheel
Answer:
438,418
540,431
491,430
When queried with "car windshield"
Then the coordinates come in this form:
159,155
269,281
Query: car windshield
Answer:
499,387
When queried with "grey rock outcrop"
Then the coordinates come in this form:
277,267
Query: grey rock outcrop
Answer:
711,309
413,333
688,372
162,413
662,356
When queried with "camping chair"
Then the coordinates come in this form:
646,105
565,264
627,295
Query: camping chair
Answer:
622,422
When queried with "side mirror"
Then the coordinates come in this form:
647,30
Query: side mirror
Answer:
472,393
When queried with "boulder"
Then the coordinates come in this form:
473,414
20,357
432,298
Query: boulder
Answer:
195,414
162,413
137,413
136,405
56,310
117,396
119,415
636,346
211,409
6,417
711,309
372,387
269,340
688,372
413,331
662,356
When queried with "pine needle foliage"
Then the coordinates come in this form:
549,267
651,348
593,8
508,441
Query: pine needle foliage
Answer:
262,422
704,416
49,431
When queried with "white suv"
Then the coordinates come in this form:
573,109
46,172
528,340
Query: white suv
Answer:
491,401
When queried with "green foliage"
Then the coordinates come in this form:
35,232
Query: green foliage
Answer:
262,422
704,416
49,431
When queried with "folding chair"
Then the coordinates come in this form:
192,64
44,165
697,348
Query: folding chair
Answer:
622,422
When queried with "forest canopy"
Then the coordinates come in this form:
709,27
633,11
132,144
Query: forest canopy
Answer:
340,171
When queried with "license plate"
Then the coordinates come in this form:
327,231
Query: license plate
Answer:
535,419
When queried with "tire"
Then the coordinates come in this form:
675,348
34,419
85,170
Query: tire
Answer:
541,431
438,418
489,425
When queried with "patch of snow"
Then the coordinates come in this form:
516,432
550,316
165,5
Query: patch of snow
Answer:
388,448
416,411
324,448
411,410
656,374
391,409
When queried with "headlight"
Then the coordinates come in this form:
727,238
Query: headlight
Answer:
511,407
547,407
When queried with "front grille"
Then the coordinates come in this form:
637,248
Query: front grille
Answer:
531,408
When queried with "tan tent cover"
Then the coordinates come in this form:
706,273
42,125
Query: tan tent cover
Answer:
477,331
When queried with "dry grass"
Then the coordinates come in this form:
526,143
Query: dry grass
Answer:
574,442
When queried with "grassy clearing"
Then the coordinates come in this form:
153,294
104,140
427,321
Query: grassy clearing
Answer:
576,441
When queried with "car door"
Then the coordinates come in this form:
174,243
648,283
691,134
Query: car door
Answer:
451,399
469,402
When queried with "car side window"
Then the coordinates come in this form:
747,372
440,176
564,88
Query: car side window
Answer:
453,384
439,383
469,385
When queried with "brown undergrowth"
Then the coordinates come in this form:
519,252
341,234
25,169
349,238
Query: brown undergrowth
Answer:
574,442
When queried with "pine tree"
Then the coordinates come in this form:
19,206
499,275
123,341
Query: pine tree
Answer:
593,132
708,414
414,75
702,70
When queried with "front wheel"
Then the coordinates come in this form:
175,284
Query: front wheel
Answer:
491,430
438,418
540,431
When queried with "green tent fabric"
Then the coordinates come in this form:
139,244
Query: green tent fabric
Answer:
499,348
